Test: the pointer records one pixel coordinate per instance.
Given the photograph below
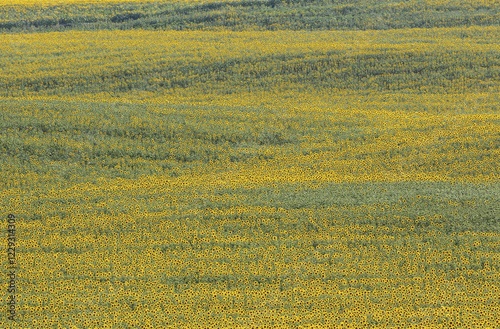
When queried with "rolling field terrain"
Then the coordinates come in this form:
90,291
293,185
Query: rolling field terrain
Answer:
46,15
251,164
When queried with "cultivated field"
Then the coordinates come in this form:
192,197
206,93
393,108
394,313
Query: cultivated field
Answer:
251,164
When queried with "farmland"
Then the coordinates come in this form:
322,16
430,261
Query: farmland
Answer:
309,164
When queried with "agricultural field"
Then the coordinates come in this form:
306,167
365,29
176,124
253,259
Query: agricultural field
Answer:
250,164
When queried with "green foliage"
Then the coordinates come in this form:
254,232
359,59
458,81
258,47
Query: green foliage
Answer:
244,15
120,140
359,187
439,71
